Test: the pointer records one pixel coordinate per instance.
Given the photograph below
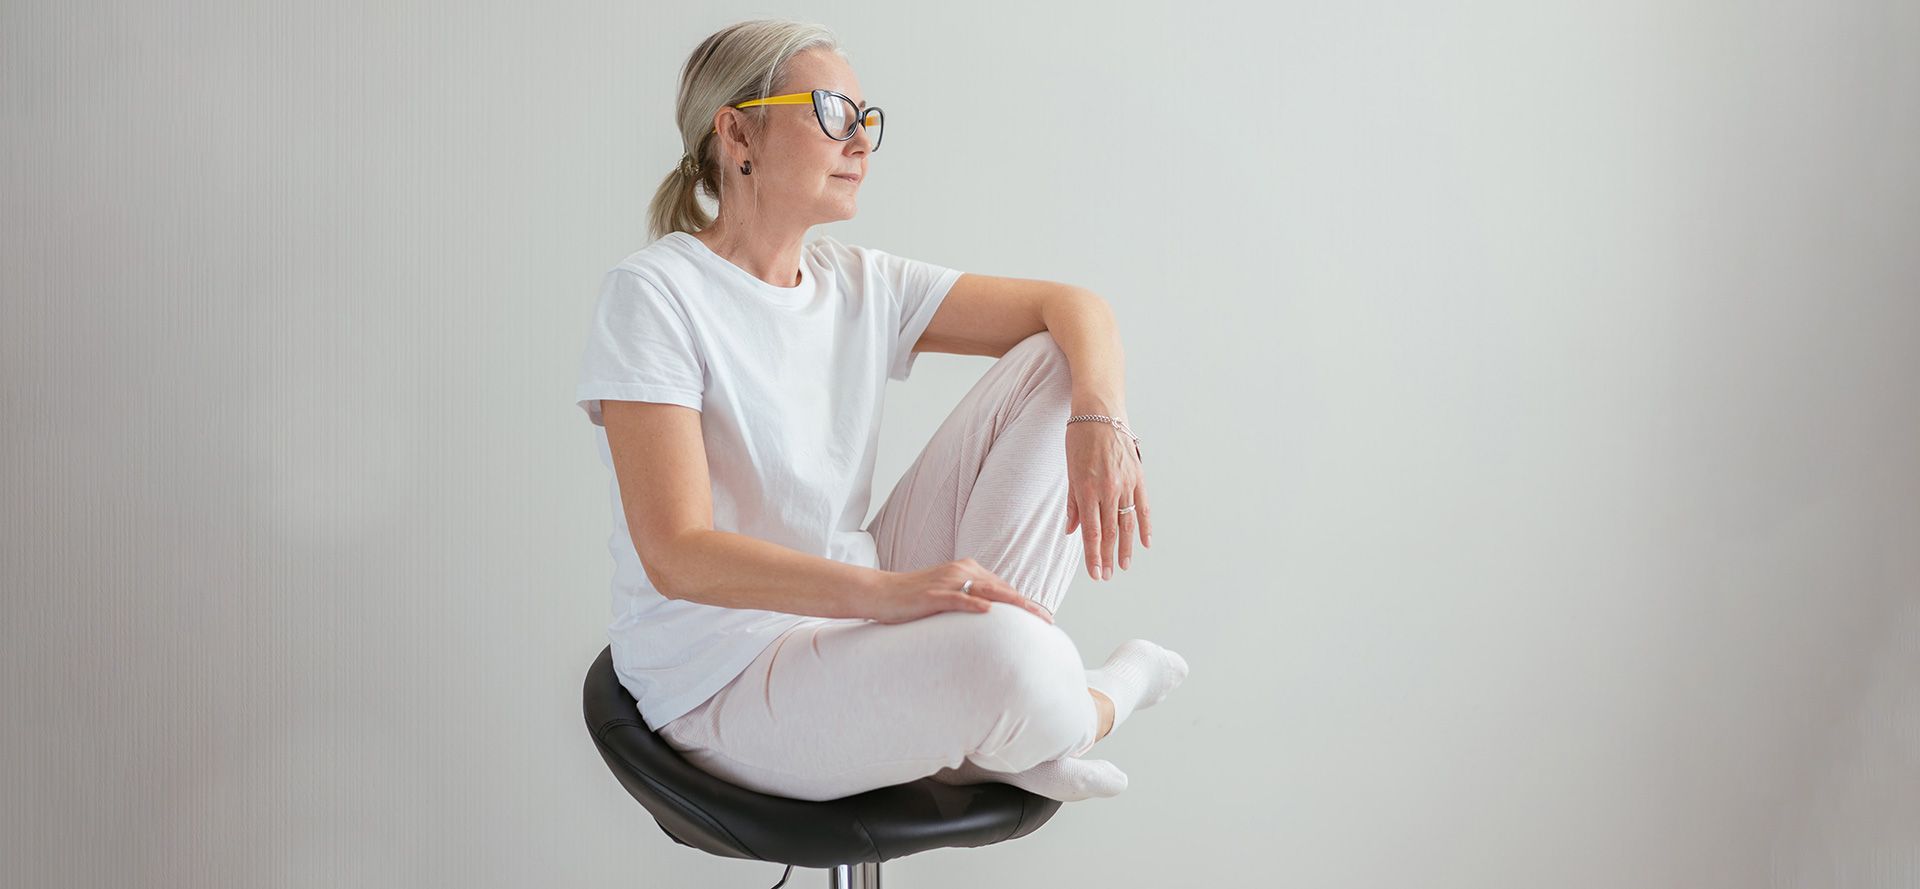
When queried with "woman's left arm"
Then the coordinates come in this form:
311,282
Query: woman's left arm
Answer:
1103,464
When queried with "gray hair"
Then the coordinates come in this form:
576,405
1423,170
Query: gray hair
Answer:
739,62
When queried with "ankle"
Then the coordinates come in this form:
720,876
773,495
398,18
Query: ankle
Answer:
1103,707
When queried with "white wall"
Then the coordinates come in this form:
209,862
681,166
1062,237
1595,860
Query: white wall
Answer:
1531,389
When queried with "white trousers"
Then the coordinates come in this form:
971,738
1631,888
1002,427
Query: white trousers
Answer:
835,707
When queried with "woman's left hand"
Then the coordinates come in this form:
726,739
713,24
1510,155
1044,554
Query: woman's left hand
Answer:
1104,474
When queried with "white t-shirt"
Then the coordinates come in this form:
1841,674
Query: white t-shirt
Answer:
790,383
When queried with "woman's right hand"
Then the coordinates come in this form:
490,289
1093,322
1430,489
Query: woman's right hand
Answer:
911,595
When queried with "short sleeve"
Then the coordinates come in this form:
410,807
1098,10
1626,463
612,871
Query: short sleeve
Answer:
640,347
917,288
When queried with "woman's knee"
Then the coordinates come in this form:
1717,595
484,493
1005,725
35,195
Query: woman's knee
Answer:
1035,663
1040,676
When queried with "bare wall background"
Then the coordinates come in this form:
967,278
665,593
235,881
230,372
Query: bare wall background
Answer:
1531,388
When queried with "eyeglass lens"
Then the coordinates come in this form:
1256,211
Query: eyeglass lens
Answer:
838,115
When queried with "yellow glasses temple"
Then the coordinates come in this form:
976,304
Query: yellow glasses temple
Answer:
790,99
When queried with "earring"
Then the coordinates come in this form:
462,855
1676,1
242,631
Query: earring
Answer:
746,169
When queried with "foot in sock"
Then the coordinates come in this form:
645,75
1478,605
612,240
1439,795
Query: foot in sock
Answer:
1136,676
1068,778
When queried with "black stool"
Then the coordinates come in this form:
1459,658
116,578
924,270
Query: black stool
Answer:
850,835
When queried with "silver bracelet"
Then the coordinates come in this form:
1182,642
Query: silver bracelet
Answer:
1117,424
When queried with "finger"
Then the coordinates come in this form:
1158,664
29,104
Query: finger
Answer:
1070,512
1110,536
967,602
1038,610
1146,524
996,590
1011,596
1090,539
1127,524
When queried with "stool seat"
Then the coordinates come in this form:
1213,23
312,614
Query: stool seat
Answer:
707,813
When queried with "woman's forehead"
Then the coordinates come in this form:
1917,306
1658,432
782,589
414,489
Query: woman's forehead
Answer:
825,73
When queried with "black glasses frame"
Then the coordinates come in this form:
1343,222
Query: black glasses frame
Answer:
859,120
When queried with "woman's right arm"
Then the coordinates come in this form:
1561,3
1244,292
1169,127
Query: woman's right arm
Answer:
660,462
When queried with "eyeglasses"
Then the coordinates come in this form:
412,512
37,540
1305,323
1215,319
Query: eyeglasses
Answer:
837,114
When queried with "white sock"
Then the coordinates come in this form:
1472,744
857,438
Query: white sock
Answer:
1067,779
1136,676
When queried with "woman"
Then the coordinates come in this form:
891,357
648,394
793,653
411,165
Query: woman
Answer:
735,375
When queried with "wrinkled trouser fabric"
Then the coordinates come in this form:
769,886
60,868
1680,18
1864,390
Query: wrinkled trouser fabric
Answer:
835,707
